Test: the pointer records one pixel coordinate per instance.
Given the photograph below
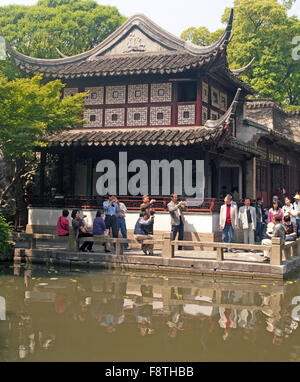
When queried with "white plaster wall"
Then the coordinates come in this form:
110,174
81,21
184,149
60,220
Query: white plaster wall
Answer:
193,223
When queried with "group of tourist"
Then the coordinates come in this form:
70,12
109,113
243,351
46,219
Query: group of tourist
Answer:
259,224
111,220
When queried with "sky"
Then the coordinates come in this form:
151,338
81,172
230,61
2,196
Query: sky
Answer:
173,15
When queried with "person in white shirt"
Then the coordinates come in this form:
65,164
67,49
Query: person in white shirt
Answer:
247,221
288,210
228,220
296,213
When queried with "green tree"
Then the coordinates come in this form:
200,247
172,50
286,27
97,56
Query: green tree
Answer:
5,238
72,26
30,110
201,36
288,3
262,29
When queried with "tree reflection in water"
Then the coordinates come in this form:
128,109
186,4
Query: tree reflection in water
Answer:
57,314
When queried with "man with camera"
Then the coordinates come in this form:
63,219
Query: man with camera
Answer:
147,204
144,227
177,219
110,207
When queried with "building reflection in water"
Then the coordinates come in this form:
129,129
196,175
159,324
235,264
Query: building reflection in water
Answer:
46,313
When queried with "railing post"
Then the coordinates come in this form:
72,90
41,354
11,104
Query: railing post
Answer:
73,245
168,248
293,249
298,247
220,254
32,242
287,252
276,254
119,248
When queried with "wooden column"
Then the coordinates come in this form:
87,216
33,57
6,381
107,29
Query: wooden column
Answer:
199,103
206,171
244,180
254,178
73,174
61,174
174,104
89,177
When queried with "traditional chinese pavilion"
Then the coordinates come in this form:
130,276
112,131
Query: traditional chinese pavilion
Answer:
156,96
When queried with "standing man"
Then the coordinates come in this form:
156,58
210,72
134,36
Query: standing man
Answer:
296,212
177,220
121,222
147,204
260,219
110,207
247,221
228,220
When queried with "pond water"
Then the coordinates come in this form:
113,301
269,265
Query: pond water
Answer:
79,314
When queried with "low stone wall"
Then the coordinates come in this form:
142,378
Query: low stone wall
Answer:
199,227
155,263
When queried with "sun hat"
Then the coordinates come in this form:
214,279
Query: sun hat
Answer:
297,196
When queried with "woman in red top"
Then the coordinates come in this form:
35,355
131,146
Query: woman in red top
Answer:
63,227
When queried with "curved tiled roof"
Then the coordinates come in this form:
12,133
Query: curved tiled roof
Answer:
136,137
123,65
171,54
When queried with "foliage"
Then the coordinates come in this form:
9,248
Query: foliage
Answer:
201,36
292,108
5,236
72,26
29,111
288,3
262,29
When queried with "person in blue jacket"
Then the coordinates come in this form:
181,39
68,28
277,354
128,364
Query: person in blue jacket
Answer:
142,228
99,227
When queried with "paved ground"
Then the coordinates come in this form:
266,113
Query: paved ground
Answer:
242,256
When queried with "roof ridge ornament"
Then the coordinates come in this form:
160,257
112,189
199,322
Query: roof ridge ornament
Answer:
60,53
239,71
228,116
